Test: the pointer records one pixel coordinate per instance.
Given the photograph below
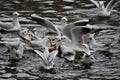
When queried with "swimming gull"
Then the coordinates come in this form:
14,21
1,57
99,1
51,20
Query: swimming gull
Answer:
102,10
14,26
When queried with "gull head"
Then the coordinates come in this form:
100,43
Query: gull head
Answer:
64,21
16,13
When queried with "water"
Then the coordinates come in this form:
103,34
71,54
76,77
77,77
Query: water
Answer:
106,65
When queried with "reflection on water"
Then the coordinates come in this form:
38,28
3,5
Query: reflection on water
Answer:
105,67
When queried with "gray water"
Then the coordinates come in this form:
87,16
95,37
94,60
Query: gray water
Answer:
107,63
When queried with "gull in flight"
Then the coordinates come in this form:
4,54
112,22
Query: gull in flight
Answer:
102,10
15,47
47,58
14,26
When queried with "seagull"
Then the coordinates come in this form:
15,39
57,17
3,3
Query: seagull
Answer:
94,45
47,58
15,46
102,10
68,53
14,26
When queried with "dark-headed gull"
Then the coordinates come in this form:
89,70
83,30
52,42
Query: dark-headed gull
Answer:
14,26
102,10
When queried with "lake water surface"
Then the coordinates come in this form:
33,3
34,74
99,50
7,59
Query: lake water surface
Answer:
107,64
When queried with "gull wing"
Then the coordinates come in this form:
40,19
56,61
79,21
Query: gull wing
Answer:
111,4
44,22
68,27
42,56
77,35
46,52
95,2
52,55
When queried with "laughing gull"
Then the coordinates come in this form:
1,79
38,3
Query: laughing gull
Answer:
102,10
47,58
14,26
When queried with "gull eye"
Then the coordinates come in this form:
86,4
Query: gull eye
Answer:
90,38
88,42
